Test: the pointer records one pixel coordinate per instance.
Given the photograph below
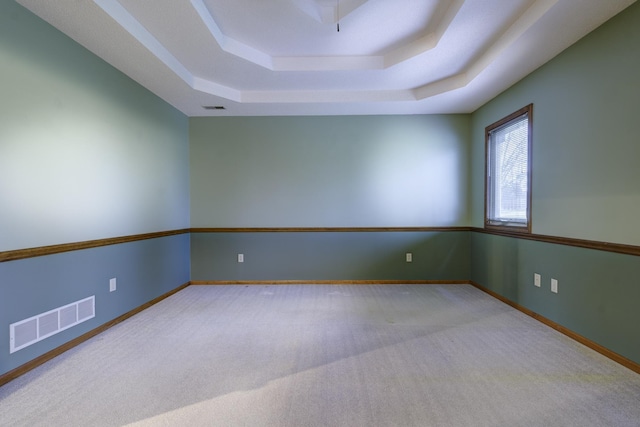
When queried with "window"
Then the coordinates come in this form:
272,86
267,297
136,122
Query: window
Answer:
508,172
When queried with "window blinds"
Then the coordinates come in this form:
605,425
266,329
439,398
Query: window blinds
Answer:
509,152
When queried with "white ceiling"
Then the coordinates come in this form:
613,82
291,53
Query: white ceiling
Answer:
287,57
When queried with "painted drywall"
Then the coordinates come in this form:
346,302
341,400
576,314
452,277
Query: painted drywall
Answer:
597,291
443,256
85,152
586,179
143,271
329,171
586,185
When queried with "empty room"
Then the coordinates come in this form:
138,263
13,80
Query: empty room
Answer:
319,213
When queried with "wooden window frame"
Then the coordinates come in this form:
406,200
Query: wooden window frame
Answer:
490,223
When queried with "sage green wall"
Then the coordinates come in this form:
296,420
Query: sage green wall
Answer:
598,291
85,152
586,185
309,256
385,171
389,171
585,138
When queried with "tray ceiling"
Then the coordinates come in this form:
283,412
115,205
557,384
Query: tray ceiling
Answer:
326,57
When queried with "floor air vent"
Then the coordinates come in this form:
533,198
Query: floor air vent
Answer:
36,328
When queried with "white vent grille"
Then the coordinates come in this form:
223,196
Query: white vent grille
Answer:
48,324
86,309
68,316
24,332
36,328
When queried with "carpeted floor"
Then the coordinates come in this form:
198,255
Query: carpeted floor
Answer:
327,355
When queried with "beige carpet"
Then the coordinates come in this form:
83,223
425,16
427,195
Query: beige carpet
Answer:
334,355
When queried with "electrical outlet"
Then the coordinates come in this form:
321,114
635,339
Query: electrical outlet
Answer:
554,286
409,257
536,279
240,257
112,284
